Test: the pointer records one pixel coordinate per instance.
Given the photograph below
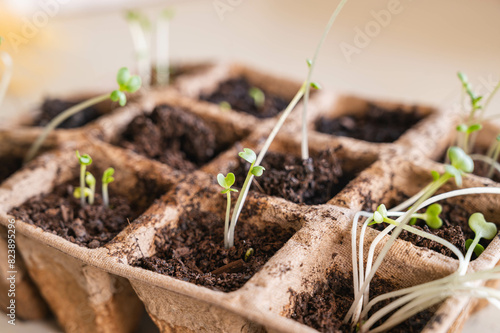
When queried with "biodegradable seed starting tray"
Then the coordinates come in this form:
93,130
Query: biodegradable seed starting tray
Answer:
105,289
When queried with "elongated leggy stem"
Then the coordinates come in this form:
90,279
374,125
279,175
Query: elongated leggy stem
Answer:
494,157
246,186
228,218
305,145
239,205
139,26
490,97
58,120
162,48
7,74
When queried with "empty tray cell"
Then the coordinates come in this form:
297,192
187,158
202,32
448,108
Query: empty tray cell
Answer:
369,121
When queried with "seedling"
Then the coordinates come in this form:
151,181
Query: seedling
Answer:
84,161
7,72
162,47
467,131
90,180
493,154
259,98
140,30
126,84
226,183
107,178
460,163
482,229
431,217
255,170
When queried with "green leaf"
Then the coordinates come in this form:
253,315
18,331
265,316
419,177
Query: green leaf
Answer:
77,192
460,160
463,78
226,182
258,96
432,213
435,175
452,171
462,128
309,62
257,170
382,210
477,250
377,217
225,106
84,159
119,96
315,85
107,176
89,179
248,155
133,84
123,76
413,221
498,137
482,228
474,127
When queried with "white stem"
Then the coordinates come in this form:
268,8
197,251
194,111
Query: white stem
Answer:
58,120
162,50
105,196
142,50
305,146
7,74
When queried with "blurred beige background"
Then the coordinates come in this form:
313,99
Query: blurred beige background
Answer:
412,55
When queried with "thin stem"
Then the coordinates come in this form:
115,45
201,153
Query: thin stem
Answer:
305,145
486,159
105,196
494,158
162,50
239,205
7,74
82,184
490,97
142,50
403,220
226,224
92,194
473,245
244,190
58,120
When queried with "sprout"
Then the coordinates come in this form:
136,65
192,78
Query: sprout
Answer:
140,30
255,170
225,106
431,216
107,177
7,72
249,254
126,82
460,163
84,161
226,183
162,47
482,229
259,98
90,180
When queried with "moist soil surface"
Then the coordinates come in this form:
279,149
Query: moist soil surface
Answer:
236,93
455,229
327,306
91,226
195,252
9,165
289,177
52,107
171,136
377,124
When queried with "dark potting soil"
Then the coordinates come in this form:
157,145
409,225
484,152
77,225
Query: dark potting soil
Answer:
455,229
91,226
287,176
327,306
52,107
9,165
194,251
377,124
236,93
171,136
